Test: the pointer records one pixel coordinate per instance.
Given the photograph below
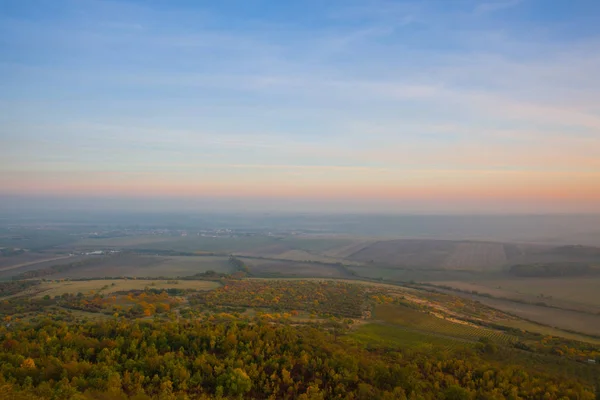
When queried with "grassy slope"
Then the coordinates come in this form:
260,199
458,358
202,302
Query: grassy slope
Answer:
424,322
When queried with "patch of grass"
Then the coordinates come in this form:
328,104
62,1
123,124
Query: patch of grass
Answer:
425,322
383,335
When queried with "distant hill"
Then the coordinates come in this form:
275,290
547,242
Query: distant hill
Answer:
473,255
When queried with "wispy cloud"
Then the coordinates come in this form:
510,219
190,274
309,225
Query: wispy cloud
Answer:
389,96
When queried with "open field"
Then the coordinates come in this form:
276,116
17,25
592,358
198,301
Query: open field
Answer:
301,255
34,239
561,319
547,330
476,256
422,321
395,259
318,244
212,244
27,259
292,268
105,286
568,292
433,254
407,253
190,243
467,255
9,272
374,334
148,266
303,248
121,242
347,250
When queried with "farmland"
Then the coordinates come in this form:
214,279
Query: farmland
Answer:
393,259
562,319
409,253
433,254
42,263
135,265
123,242
467,255
476,256
545,330
396,274
222,245
108,286
261,267
28,259
567,292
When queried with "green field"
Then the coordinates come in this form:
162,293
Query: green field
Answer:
424,322
383,335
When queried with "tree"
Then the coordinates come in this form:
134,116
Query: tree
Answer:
456,392
28,363
235,382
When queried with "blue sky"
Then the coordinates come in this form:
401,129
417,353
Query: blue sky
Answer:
416,105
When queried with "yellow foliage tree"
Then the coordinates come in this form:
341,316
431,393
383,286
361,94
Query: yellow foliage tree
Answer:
28,363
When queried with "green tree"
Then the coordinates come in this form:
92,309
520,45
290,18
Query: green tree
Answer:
456,392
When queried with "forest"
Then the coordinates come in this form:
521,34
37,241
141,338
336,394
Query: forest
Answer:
239,358
272,339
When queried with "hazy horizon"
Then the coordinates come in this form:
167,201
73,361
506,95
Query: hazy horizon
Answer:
553,229
253,205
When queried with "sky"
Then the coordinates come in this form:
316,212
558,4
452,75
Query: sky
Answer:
429,106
